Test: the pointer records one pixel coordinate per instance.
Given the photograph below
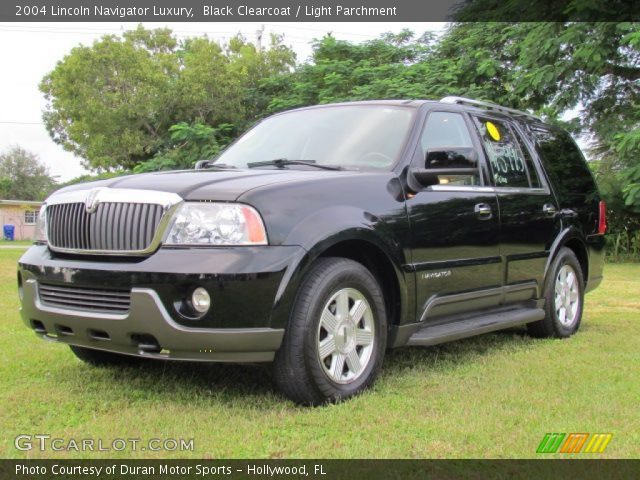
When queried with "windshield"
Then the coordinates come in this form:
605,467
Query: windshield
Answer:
353,137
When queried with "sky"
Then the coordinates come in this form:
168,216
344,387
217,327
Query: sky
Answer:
28,51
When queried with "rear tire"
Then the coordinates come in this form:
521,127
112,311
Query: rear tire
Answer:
336,338
101,358
564,298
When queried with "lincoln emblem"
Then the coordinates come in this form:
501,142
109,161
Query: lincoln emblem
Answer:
92,200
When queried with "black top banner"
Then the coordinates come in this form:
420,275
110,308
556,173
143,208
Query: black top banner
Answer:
316,10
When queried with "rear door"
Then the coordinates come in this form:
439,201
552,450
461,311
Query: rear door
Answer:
455,228
528,210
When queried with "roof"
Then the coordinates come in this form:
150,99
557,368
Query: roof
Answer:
21,203
399,103
464,103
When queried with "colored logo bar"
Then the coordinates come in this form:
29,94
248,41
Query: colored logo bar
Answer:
574,443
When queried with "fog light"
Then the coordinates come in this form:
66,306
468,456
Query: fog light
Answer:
200,300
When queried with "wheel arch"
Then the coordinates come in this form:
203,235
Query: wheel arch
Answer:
361,245
571,239
378,263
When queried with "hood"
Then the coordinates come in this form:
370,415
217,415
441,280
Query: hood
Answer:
223,185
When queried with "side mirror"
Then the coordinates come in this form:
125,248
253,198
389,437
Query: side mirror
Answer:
200,164
445,162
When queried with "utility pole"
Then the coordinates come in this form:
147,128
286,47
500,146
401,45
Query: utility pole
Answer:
259,34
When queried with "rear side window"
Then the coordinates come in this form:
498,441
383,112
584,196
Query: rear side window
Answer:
565,165
506,160
534,179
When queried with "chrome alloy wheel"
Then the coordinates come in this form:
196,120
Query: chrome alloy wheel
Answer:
345,337
567,296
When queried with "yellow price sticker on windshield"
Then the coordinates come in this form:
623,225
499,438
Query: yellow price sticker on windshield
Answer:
493,131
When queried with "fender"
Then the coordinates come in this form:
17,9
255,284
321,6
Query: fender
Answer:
326,228
568,233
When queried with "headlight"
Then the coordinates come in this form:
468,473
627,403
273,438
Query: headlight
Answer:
41,225
216,224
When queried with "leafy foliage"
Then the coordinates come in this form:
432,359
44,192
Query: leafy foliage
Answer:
388,67
22,176
113,103
623,246
189,143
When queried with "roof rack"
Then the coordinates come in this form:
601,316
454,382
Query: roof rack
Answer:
489,105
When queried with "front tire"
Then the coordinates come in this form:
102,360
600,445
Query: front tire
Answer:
335,341
564,298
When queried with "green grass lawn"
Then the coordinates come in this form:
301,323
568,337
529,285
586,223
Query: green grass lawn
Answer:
491,396
15,243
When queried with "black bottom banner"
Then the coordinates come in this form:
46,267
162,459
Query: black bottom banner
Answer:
318,469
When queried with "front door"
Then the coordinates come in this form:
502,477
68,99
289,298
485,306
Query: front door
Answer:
455,228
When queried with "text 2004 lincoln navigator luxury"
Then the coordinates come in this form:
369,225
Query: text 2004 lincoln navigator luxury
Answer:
322,237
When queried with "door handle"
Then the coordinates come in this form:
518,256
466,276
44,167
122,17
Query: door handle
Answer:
483,211
568,213
549,209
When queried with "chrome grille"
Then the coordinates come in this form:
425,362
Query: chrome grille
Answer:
111,301
114,226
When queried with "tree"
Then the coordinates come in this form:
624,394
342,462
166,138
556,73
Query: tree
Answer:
109,103
114,102
23,177
189,143
388,67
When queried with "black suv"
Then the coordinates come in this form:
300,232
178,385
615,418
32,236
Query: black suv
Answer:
322,237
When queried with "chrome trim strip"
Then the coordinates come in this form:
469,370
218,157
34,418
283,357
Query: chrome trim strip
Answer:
530,191
169,202
481,189
460,188
120,195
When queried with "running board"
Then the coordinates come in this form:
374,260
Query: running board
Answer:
485,323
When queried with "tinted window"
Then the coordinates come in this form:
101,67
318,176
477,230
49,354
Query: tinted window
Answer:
447,131
565,165
444,129
534,179
506,161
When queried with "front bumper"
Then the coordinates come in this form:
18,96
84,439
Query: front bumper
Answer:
238,328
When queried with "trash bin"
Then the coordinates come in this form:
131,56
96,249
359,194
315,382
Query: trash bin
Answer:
9,231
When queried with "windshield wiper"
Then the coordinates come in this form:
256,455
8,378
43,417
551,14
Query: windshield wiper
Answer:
283,162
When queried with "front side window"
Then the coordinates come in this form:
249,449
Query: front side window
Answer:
30,217
506,161
349,136
445,129
447,132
